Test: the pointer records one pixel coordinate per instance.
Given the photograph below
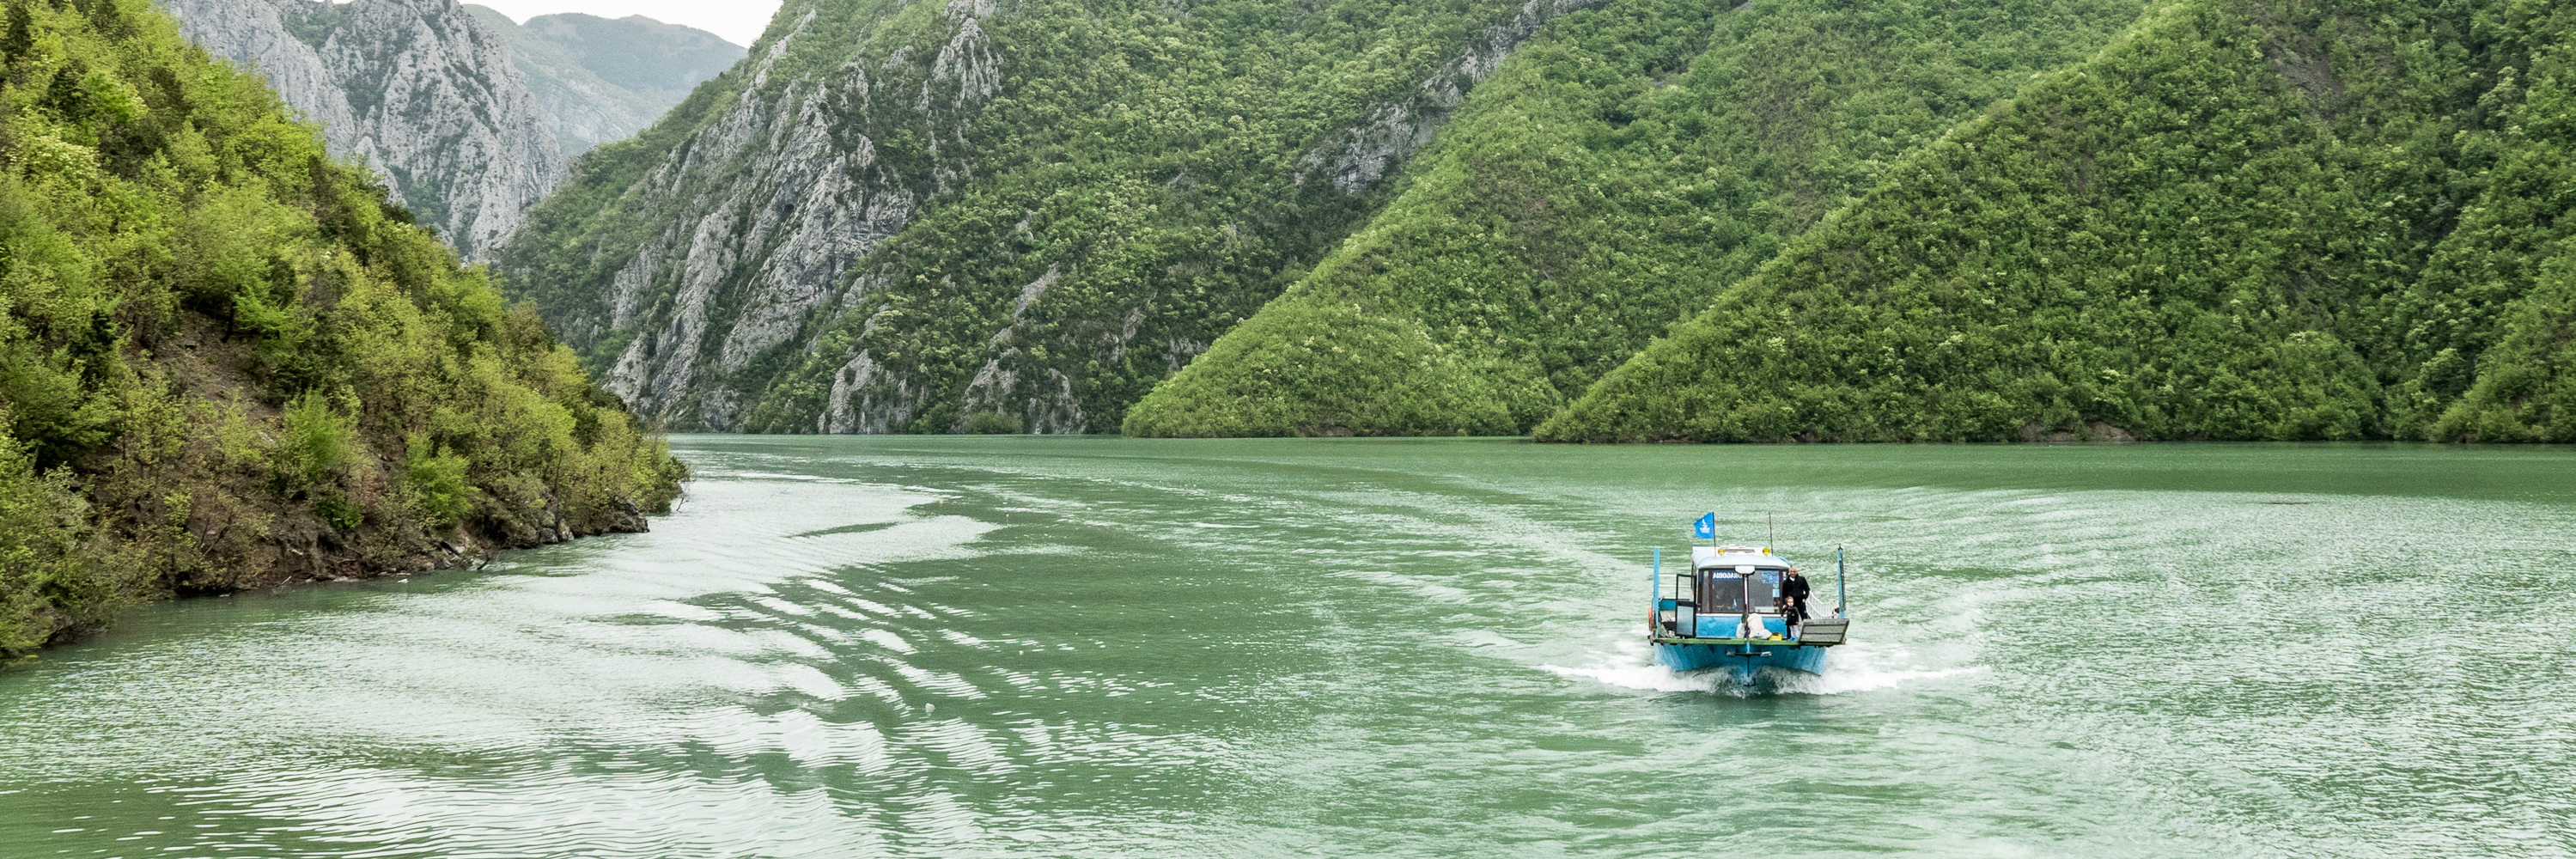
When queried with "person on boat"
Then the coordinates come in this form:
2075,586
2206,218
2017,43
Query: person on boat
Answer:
1793,601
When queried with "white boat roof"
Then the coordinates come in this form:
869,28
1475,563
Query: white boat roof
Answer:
1705,557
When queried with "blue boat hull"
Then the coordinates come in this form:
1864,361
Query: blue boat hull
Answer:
1742,660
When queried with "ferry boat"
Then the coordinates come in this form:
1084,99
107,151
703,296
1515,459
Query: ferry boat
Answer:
1724,612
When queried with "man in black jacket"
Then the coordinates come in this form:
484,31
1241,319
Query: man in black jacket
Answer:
1793,598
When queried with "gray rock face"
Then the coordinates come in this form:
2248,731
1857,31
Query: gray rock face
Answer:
767,210
415,88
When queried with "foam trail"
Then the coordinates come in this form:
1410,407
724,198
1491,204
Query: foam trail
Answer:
1851,668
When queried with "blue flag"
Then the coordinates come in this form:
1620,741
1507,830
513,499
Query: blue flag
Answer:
1706,527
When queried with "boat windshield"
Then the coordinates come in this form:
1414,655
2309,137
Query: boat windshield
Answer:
1725,592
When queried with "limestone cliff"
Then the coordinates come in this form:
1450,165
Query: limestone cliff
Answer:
415,88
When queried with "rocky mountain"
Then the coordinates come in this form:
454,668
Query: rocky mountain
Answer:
415,88
599,79
945,215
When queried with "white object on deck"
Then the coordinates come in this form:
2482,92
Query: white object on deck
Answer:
1705,557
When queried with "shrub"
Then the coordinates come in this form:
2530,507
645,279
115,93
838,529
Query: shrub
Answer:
315,443
436,479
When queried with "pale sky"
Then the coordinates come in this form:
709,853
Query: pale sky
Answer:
738,21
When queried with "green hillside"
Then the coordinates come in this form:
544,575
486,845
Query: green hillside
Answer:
2241,221
225,361
1620,171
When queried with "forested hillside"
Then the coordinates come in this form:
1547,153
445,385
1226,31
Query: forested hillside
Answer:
2339,219
910,216
226,360
1620,170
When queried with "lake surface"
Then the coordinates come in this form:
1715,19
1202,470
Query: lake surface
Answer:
1010,646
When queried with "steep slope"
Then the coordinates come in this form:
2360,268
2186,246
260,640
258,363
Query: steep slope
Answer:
935,216
2212,230
227,360
597,80
1615,175
414,88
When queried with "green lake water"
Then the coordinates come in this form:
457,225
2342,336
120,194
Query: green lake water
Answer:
1009,646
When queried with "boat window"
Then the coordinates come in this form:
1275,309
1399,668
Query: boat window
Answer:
1720,593
1724,592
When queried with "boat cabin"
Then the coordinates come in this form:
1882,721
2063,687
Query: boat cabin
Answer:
1729,592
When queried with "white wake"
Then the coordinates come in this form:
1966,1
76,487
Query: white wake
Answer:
1849,668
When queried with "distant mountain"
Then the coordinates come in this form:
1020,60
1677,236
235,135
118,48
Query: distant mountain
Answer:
415,88
598,80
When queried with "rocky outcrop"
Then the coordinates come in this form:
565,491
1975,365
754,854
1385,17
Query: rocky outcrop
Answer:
414,88
766,208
